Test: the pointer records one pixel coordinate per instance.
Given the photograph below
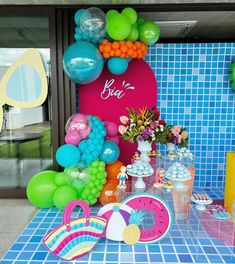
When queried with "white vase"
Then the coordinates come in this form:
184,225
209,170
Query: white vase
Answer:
144,148
170,147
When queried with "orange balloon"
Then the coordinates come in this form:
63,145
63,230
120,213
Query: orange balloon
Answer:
138,44
115,45
134,55
112,53
106,55
139,51
129,44
109,193
123,48
117,52
107,48
130,52
101,48
122,55
105,41
113,169
139,56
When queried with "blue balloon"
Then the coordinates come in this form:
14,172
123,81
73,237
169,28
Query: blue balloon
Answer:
67,155
110,152
117,65
83,62
77,16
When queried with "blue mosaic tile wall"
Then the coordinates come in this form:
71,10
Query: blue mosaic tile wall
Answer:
194,91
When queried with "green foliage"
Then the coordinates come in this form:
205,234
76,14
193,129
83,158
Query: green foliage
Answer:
136,217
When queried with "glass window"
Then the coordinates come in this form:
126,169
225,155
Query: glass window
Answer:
25,138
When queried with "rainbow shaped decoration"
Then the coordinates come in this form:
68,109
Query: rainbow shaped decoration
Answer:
75,238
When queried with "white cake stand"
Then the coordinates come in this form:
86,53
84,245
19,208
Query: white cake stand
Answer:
178,183
200,205
139,183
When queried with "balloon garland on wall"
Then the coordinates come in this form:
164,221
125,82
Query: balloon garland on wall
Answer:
91,145
114,37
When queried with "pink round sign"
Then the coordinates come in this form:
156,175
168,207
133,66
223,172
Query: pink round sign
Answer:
110,95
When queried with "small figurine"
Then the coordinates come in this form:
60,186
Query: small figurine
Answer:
122,176
159,177
136,156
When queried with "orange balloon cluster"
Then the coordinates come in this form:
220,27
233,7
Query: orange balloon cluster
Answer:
123,49
110,191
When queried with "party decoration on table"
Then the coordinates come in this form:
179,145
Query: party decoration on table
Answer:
82,62
41,188
109,193
16,91
77,128
178,173
201,200
184,153
75,238
219,212
113,170
131,233
67,155
122,177
117,216
123,49
159,177
110,94
159,208
232,74
143,127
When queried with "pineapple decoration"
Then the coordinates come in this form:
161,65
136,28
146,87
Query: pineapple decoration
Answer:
131,233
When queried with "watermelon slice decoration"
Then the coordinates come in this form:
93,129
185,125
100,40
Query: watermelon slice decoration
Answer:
159,208
232,74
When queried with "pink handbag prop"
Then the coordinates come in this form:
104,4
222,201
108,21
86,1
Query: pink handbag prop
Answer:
75,238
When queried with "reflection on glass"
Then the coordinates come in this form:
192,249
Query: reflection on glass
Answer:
25,139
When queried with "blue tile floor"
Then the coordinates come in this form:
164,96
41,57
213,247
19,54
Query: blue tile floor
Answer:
186,243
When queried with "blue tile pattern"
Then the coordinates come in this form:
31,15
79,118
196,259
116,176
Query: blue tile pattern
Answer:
194,91
186,243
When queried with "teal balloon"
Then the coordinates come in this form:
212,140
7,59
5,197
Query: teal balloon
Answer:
67,155
77,16
117,65
82,62
110,152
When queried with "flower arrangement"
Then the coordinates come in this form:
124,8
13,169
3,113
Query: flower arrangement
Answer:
177,135
143,125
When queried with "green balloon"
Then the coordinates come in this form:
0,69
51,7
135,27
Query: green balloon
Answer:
78,185
134,34
110,13
149,32
131,14
61,179
41,188
139,21
64,195
118,27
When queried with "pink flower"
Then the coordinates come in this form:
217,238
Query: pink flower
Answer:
176,130
124,119
122,129
184,135
179,138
